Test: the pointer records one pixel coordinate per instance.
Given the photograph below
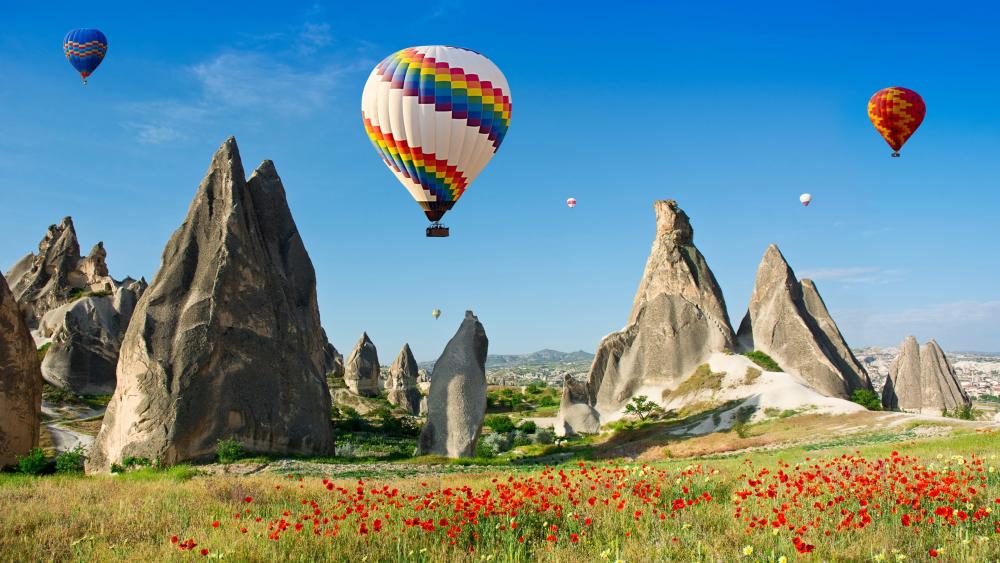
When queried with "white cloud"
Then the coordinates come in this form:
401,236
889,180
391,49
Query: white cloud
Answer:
314,36
253,80
161,121
958,325
853,275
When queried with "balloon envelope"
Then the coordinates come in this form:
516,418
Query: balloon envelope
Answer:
436,116
436,313
85,49
896,113
571,202
805,198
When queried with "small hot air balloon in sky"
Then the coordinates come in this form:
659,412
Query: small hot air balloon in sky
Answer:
85,49
805,199
896,113
436,313
571,202
436,116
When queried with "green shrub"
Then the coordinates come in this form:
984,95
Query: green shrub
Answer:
528,427
867,398
641,406
519,438
34,463
129,462
484,449
964,412
741,423
228,450
71,461
545,436
42,350
500,423
763,360
751,376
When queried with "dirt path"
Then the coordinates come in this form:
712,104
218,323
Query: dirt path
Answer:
63,438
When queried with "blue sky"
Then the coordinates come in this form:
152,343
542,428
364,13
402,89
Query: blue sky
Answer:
733,110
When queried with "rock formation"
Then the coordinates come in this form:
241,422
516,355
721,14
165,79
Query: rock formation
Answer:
402,382
456,403
84,339
226,342
333,361
20,382
922,380
76,307
576,415
788,321
361,372
678,319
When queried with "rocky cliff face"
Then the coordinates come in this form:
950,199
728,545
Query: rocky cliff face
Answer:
41,282
678,319
456,403
20,382
361,372
788,321
226,341
75,306
922,380
401,384
333,361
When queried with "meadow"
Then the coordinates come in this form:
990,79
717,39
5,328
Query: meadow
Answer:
875,496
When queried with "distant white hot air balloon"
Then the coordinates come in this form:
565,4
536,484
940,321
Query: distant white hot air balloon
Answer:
805,199
571,202
436,313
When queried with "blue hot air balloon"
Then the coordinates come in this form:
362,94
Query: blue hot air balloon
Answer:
85,49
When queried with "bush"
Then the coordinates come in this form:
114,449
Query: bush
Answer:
518,438
964,412
763,360
228,450
641,406
499,423
391,424
528,427
42,350
741,423
128,462
867,398
34,463
350,420
545,436
71,461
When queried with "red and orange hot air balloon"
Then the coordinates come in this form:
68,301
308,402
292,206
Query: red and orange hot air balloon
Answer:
896,113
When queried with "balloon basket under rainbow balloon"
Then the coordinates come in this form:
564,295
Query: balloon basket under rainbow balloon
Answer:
437,230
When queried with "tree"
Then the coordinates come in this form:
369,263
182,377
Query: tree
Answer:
867,398
641,406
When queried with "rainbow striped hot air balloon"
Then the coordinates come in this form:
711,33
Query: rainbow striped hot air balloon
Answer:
896,113
436,116
85,49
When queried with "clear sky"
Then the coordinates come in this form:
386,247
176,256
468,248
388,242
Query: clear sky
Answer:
731,110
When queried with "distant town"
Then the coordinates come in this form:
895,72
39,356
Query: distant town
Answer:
979,372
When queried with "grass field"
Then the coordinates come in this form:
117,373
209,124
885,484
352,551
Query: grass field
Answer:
889,495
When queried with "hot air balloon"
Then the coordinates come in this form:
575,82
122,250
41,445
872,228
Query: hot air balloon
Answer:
436,313
805,199
436,116
85,49
571,202
896,113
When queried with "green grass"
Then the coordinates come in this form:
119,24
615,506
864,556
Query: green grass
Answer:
763,360
702,379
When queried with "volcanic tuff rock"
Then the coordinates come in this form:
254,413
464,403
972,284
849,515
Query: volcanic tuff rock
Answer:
788,321
456,403
20,382
85,337
678,319
333,361
44,281
402,381
361,372
576,416
226,341
922,380
85,332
